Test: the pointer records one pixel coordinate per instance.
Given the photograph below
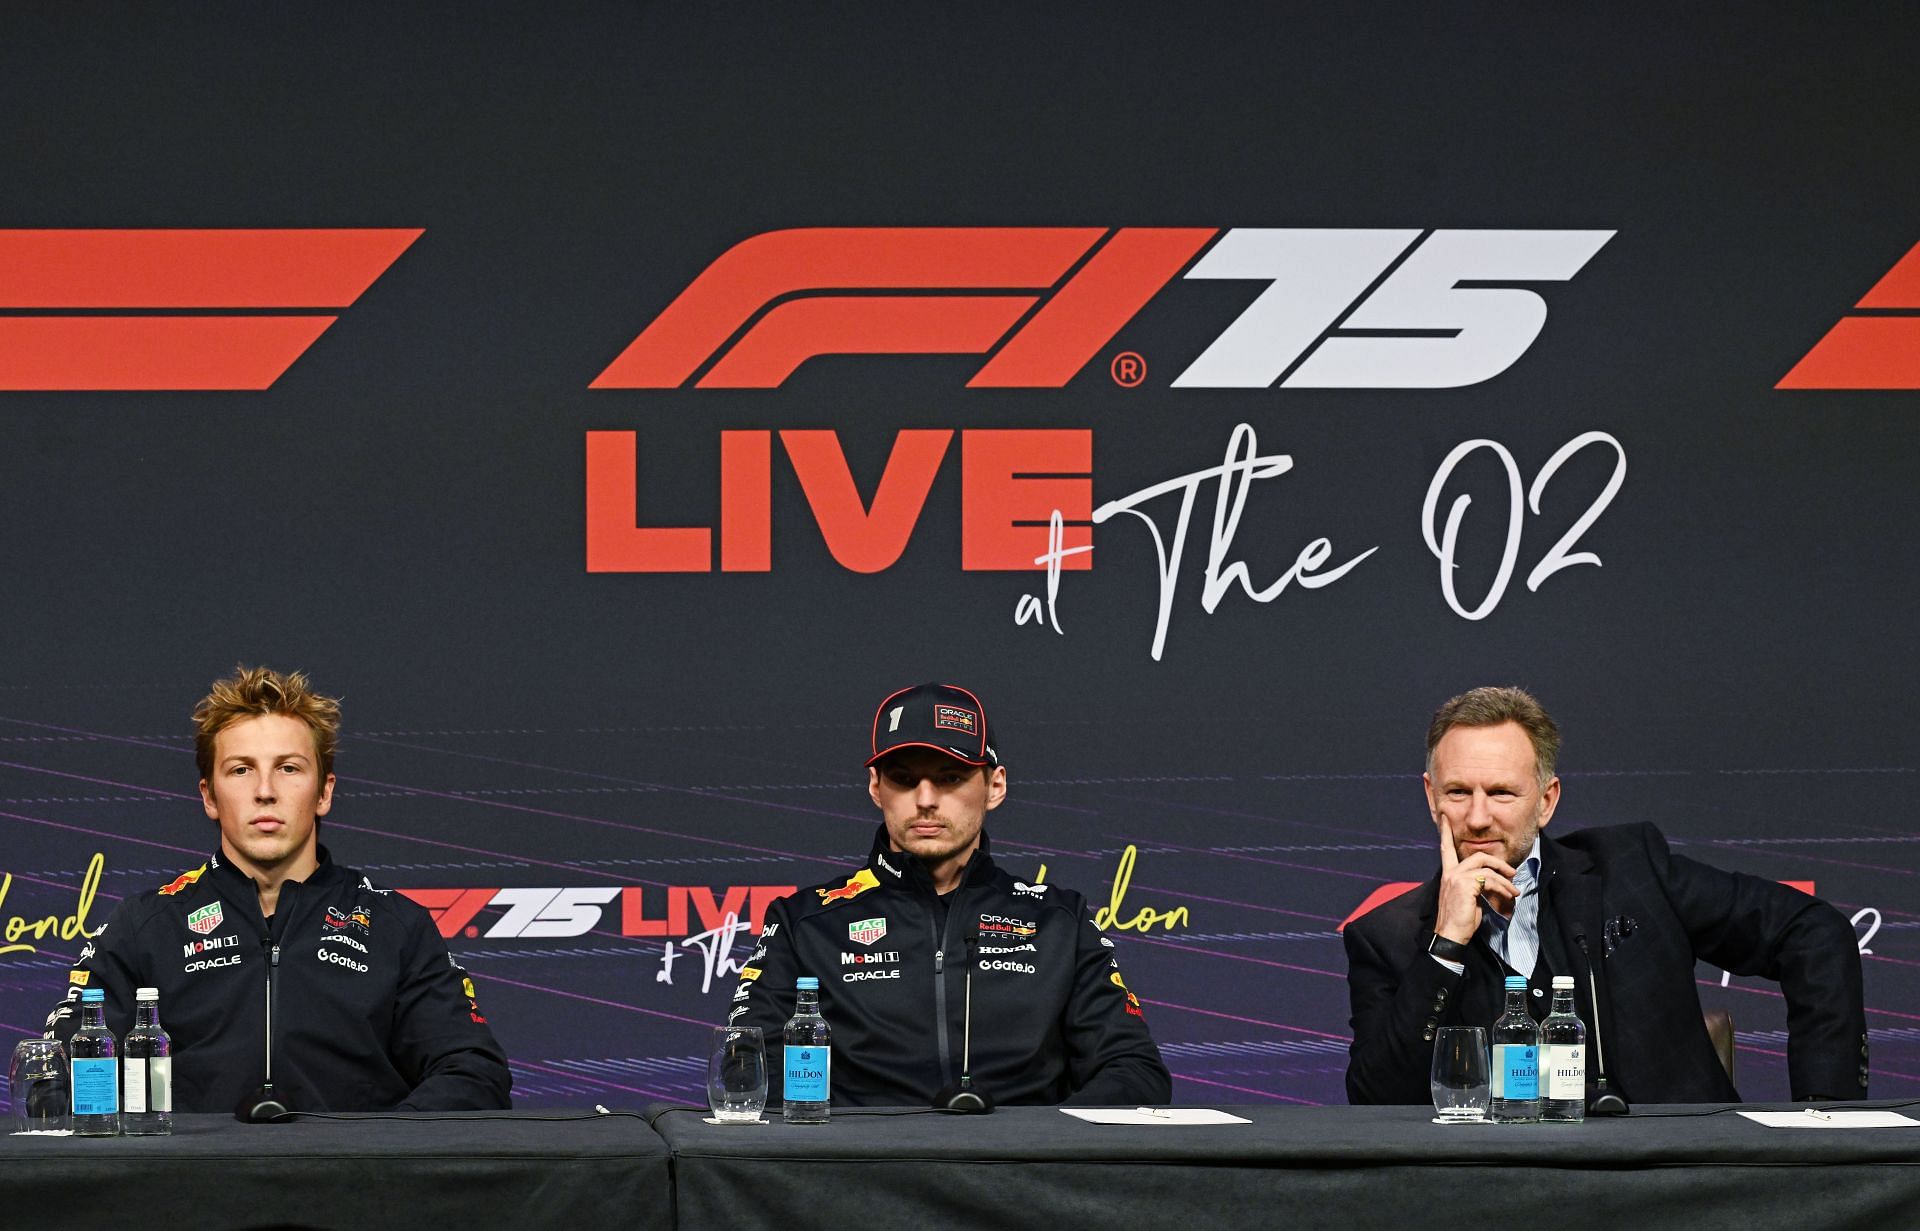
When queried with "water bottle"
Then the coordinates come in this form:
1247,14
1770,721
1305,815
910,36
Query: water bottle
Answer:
809,1058
94,1072
146,1069
1516,1059
1563,1058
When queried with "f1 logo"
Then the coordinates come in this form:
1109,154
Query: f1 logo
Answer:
1343,308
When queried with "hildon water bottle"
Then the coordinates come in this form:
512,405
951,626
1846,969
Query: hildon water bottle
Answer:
146,1070
94,1071
809,1058
1516,1059
1563,1058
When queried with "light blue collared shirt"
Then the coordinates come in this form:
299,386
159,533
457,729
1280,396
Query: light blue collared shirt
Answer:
1517,939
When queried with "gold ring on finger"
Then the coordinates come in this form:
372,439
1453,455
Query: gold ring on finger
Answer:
1480,881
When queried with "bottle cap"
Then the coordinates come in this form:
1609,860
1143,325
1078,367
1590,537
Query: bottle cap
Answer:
147,993
806,983
1516,983
1563,983
93,995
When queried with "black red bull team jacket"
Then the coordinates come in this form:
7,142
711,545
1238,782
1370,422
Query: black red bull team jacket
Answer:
1053,1021
368,1010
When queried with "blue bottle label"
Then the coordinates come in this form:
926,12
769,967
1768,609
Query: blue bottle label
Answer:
808,1072
1516,1071
96,1087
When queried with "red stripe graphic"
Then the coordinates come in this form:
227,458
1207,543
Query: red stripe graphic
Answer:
194,269
1870,352
151,352
108,271
1899,287
766,267
1862,352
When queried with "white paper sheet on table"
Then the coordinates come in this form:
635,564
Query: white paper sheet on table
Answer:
1153,1115
1831,1119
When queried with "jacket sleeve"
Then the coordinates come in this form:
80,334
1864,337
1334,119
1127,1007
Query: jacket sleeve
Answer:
441,1041
1111,1057
1757,927
109,960
1400,996
764,996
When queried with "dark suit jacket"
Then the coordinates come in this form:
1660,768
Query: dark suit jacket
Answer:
1647,914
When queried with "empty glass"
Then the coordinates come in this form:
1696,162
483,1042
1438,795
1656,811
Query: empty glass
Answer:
1459,1083
38,1079
737,1075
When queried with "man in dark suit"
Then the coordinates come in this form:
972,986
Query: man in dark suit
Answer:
1614,901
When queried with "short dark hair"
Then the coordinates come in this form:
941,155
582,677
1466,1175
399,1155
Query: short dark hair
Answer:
1491,707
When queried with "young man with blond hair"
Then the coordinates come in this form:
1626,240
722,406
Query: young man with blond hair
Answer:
285,978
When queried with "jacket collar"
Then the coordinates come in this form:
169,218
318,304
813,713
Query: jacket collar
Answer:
1573,887
898,870
239,888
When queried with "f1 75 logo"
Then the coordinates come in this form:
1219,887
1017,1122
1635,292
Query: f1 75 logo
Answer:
545,912
1343,307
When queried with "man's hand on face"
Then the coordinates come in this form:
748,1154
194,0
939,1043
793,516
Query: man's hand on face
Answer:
1464,883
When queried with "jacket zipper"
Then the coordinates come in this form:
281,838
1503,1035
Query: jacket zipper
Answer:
273,999
944,942
940,993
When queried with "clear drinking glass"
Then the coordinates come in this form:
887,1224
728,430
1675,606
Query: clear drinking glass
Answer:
38,1079
1460,1088
737,1075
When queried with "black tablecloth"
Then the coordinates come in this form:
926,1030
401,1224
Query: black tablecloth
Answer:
508,1170
1332,1167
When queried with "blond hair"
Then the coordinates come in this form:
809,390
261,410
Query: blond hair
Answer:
252,692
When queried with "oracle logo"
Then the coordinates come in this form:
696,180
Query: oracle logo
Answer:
1343,308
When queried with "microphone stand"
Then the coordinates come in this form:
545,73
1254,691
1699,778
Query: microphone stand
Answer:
261,1107
1604,1102
962,1097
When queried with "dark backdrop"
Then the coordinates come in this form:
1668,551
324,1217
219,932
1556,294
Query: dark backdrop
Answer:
401,513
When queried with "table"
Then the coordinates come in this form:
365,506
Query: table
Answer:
452,1172
1333,1167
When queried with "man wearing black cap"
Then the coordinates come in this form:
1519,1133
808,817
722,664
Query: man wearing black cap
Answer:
931,923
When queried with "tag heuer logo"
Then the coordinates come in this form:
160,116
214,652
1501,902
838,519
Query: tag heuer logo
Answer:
204,920
866,931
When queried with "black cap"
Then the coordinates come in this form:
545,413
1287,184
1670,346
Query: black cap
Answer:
943,717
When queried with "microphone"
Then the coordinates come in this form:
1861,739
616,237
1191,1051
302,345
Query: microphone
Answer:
1604,1102
261,1107
961,1096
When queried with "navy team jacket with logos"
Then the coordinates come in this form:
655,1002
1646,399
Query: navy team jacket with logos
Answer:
369,1011
1053,1021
